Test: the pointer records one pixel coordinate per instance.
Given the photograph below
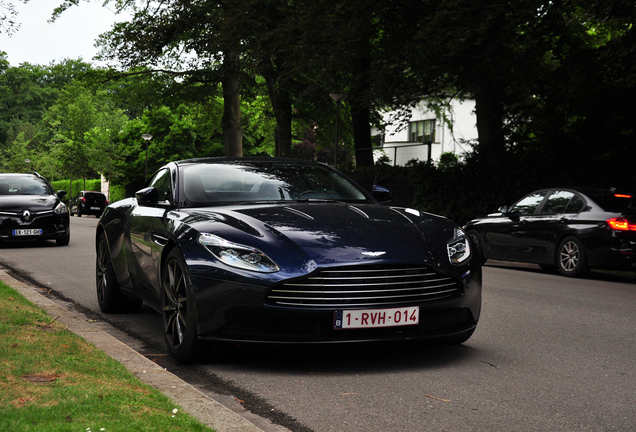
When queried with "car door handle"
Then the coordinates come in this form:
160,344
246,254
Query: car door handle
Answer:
159,240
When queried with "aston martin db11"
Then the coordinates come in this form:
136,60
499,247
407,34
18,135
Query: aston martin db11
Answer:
283,251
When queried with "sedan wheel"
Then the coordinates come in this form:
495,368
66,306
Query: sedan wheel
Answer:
571,258
109,296
177,309
479,245
63,241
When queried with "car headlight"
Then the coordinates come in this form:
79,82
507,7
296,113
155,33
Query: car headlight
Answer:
60,209
237,255
458,247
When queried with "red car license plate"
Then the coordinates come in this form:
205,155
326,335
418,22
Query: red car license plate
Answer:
27,232
370,318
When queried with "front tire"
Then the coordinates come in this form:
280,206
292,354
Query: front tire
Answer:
177,309
109,295
571,260
479,244
63,241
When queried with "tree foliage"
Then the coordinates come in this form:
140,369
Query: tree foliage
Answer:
553,82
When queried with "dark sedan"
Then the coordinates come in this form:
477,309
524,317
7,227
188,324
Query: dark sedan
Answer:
88,203
283,251
30,209
569,229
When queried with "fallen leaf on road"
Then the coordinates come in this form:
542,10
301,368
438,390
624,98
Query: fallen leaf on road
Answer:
433,397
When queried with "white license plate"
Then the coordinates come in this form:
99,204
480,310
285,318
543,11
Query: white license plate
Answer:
94,208
370,318
27,232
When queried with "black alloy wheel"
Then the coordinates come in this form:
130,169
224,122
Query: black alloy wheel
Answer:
177,309
109,296
571,259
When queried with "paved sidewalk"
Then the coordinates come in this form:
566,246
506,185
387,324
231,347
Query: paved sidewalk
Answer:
208,411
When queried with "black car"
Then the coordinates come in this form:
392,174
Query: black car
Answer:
283,251
88,203
569,229
30,209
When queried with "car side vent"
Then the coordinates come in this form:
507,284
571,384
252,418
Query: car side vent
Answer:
366,286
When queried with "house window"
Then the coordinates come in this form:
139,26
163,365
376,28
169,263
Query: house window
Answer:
422,131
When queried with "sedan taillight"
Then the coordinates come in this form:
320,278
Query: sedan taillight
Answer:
621,224
83,199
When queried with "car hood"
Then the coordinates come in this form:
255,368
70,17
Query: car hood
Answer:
36,203
329,234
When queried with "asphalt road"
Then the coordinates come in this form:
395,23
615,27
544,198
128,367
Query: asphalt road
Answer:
550,354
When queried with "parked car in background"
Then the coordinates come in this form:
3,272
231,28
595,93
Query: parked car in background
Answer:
88,203
283,251
569,229
30,209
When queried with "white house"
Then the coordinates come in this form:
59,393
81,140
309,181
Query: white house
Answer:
426,137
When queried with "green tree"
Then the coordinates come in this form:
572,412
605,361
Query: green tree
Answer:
69,120
17,154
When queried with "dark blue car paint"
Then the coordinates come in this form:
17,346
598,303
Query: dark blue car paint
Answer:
301,237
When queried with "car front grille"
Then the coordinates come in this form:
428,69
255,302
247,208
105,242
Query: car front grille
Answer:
366,286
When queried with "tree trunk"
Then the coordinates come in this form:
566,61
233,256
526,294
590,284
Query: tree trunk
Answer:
359,102
489,112
282,105
231,121
362,137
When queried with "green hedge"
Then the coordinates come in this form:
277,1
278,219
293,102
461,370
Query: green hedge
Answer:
117,192
78,185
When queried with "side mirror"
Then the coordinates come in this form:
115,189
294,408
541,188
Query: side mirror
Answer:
61,194
383,195
503,209
149,195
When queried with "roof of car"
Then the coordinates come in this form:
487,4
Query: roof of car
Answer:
211,160
20,174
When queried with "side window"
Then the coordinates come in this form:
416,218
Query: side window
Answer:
529,204
557,202
162,182
576,205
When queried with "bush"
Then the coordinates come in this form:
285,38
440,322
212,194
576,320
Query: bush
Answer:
117,192
78,185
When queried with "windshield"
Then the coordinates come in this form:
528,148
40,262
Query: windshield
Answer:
26,185
211,184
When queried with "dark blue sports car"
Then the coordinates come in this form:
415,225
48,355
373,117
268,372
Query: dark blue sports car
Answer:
286,251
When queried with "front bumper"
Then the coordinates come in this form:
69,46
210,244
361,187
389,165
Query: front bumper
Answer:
53,227
234,312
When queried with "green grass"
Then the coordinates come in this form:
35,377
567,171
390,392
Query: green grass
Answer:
52,380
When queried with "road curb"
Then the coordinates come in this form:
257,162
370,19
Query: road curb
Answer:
206,410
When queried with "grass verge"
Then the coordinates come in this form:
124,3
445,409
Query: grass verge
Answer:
52,380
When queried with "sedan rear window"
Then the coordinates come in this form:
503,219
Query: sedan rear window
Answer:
612,201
